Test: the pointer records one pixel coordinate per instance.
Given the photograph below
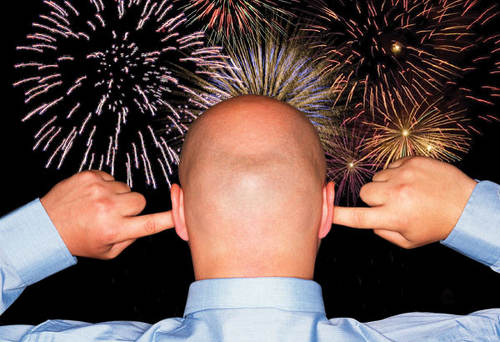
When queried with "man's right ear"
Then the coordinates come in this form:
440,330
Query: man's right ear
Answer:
327,210
177,196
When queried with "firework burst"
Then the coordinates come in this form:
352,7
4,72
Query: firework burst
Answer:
229,18
97,76
479,88
348,163
275,68
430,128
409,46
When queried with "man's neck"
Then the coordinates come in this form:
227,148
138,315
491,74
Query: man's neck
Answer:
289,269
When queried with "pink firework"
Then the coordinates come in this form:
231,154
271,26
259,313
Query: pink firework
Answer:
98,77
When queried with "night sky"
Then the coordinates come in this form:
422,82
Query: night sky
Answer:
362,276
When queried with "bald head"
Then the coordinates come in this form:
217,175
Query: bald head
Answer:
252,174
249,128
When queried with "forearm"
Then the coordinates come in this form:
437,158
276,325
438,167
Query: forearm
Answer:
30,250
477,232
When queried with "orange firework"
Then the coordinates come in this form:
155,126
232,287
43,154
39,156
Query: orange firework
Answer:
412,46
230,18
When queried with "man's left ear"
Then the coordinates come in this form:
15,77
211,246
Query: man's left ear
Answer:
327,210
177,196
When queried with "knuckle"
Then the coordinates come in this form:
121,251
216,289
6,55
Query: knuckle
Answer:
103,205
108,235
88,176
97,189
362,192
417,161
141,201
414,159
150,227
123,186
404,192
377,176
407,173
359,219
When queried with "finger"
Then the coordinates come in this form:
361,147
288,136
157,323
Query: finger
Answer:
393,237
374,194
399,162
139,226
130,203
105,176
118,248
363,218
383,176
118,187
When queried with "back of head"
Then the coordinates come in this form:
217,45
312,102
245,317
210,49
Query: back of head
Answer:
252,172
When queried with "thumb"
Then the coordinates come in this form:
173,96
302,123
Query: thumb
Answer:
140,226
393,237
363,218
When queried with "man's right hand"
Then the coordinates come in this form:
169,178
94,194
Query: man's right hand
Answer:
416,201
96,215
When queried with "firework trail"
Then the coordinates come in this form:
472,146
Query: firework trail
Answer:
349,164
97,76
434,129
479,88
236,18
411,46
275,68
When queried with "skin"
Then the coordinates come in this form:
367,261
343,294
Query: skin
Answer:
97,216
416,201
253,201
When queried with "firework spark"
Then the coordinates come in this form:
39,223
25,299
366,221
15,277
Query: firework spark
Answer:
97,76
479,88
229,18
349,164
410,46
430,128
273,68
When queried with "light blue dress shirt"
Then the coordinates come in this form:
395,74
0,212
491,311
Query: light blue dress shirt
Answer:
246,309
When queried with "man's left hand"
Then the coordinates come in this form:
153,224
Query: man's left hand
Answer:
96,216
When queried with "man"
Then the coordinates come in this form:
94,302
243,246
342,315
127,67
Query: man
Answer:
253,207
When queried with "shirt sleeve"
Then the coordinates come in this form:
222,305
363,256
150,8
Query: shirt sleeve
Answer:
481,325
477,232
31,249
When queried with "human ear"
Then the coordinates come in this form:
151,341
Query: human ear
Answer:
177,196
327,210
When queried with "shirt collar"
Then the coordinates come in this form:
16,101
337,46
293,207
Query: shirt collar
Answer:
292,294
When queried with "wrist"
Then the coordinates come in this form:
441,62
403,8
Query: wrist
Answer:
34,248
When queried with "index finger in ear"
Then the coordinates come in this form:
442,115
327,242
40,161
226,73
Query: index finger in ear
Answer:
362,218
145,225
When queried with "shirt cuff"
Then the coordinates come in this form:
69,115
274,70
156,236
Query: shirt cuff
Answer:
32,244
477,232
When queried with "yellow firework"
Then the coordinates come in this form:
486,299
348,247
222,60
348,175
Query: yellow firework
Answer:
430,128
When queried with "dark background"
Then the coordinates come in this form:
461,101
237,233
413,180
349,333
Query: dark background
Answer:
362,276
